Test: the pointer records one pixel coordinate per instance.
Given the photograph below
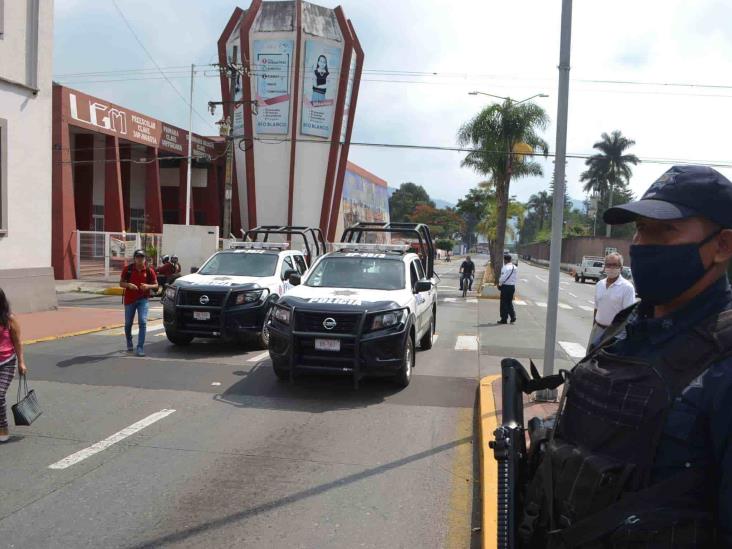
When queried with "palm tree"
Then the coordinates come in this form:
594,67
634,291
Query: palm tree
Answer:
493,134
541,204
610,167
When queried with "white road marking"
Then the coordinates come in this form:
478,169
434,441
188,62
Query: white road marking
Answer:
434,338
102,445
542,279
564,306
449,287
449,300
151,327
259,357
586,308
570,293
574,350
541,304
524,280
471,300
519,302
590,301
215,384
466,343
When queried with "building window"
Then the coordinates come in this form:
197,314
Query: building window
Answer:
3,176
137,220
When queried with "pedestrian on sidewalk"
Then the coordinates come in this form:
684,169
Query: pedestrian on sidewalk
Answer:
612,295
467,269
507,287
641,453
11,355
138,279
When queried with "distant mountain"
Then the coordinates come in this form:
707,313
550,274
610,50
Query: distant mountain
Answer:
439,203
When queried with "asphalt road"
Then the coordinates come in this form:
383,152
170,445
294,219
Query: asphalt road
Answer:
202,447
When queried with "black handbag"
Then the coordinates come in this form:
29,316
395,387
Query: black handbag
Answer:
27,409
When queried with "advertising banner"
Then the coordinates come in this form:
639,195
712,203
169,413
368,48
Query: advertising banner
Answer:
273,63
320,87
364,199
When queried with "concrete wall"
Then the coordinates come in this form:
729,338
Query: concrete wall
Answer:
25,248
574,248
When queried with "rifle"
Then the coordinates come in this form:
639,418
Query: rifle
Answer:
509,445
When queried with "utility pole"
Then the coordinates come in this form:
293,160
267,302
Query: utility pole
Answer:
190,156
228,129
555,255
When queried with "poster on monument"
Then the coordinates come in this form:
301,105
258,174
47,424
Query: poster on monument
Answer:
273,60
320,87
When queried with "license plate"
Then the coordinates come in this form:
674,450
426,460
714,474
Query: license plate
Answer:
328,344
201,315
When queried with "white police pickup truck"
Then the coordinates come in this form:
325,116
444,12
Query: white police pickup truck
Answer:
232,293
360,310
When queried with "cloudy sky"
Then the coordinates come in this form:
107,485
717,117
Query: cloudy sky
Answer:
443,49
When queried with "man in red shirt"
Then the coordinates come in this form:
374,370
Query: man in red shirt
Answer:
138,279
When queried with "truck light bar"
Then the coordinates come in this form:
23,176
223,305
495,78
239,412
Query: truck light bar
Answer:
260,245
371,248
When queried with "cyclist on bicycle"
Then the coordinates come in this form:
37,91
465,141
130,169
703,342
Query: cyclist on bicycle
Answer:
467,269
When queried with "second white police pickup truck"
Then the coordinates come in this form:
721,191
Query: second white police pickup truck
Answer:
360,310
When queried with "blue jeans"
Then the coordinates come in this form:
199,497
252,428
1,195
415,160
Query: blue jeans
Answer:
142,306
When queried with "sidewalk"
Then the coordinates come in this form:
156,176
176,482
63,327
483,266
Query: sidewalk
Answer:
523,341
67,322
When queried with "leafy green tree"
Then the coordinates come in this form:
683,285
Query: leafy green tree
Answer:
540,204
472,208
493,134
489,227
443,222
405,199
445,244
610,168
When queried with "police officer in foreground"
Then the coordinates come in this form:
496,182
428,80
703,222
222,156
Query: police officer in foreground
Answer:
641,455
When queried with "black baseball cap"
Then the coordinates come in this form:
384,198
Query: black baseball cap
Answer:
681,192
139,253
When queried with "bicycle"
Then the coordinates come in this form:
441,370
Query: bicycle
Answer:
465,282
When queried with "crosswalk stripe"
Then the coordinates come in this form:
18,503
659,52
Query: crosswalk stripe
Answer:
434,338
151,327
541,304
564,306
466,343
519,302
259,357
574,350
449,300
586,308
570,293
472,300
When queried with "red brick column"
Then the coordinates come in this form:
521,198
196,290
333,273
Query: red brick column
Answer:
114,220
63,211
212,204
153,198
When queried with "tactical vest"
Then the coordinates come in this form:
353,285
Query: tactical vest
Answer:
592,487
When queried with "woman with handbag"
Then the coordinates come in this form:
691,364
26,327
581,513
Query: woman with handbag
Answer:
11,353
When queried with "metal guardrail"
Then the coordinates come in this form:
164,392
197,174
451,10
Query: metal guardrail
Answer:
102,255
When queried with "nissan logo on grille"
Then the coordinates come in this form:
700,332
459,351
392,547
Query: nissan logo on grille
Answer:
203,300
329,323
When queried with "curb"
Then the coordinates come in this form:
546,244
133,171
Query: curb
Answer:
488,469
72,334
114,290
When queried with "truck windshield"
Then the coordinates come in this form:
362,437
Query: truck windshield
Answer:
357,272
240,264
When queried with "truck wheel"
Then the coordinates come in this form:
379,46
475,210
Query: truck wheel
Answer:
426,342
582,279
405,372
283,374
263,336
178,339
576,278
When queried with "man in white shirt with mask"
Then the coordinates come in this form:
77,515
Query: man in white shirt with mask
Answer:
612,295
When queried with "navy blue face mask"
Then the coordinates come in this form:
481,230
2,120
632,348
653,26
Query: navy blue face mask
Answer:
663,272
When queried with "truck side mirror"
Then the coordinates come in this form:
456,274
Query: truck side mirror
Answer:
288,273
294,278
194,270
423,285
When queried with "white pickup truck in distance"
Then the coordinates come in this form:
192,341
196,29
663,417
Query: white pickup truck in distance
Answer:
592,268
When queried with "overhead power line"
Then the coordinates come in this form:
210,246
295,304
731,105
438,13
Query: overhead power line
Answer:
152,59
